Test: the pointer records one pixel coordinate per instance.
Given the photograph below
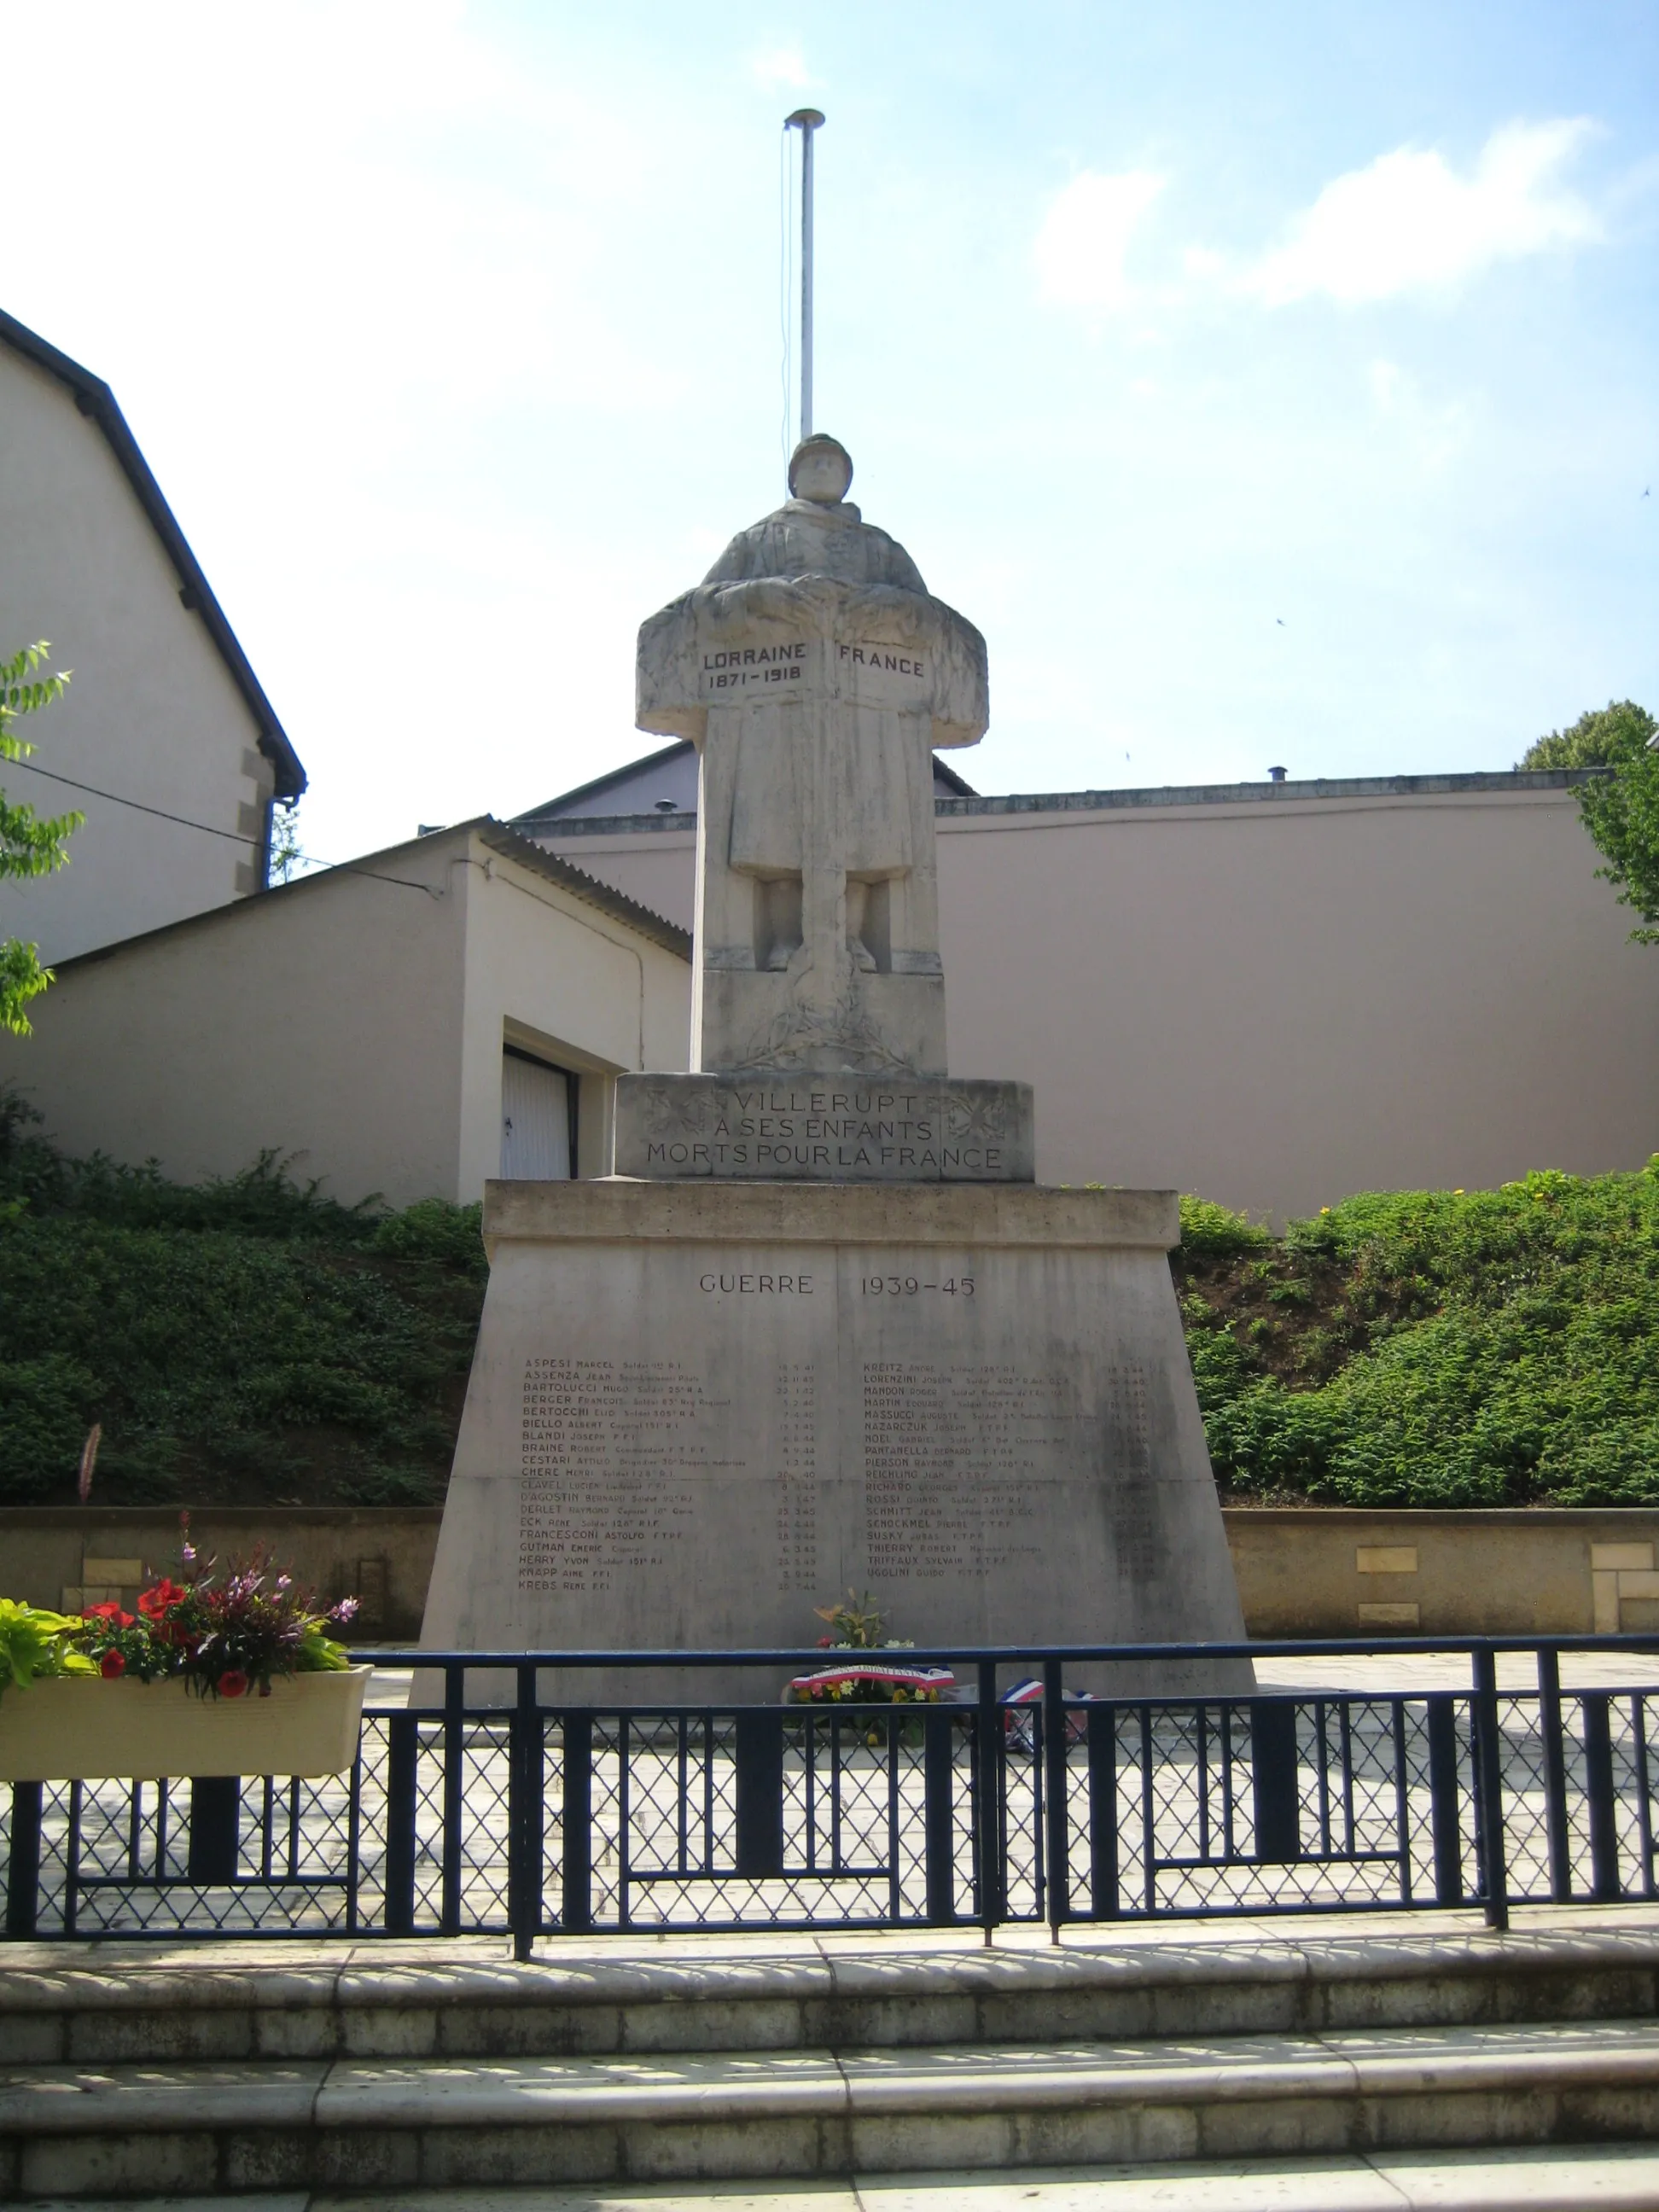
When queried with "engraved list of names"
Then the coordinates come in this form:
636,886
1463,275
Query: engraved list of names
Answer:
611,1451
952,1454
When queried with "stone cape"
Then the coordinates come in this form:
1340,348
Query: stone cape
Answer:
807,1129
696,1412
815,697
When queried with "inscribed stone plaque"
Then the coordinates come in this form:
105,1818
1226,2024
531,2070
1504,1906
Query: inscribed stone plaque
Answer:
957,1129
672,1441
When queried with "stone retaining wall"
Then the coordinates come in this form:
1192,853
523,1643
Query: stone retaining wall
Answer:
1302,1571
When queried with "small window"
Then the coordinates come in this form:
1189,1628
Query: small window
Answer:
538,1119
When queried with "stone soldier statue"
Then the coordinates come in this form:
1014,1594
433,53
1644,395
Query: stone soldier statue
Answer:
815,675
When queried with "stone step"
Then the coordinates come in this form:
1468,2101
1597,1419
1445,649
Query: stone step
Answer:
391,2125
82,2005
1579,2177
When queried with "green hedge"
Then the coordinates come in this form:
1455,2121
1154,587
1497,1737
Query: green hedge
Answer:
246,1338
1436,1348
252,1339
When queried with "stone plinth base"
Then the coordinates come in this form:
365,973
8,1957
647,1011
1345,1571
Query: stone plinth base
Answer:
698,1411
673,1128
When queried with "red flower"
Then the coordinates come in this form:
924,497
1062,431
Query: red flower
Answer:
232,1683
110,1665
110,1612
153,1603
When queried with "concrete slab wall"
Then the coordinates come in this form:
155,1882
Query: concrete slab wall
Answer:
1301,1572
1304,1573
70,1555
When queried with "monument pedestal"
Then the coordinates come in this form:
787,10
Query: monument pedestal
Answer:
697,1411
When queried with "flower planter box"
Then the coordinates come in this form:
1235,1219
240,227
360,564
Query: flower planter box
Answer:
69,1728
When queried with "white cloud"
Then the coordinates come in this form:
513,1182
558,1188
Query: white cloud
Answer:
1085,236
1410,224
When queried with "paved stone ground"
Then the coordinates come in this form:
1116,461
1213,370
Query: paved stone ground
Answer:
1625,2177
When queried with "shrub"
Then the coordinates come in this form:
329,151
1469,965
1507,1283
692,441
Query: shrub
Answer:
244,1337
1441,1348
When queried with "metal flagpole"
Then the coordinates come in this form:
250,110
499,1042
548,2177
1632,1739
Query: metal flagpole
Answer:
807,120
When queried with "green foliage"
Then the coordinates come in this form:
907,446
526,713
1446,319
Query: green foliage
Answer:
34,1641
1621,813
1620,810
244,1338
286,853
30,845
1493,1348
1596,739
1215,1233
855,1623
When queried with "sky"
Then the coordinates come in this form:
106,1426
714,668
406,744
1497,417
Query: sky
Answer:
1271,385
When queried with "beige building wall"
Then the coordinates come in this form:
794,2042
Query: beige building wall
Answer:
1282,996
612,998
1277,1004
152,713
353,1020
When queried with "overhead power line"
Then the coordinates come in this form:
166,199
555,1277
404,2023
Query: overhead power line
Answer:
212,829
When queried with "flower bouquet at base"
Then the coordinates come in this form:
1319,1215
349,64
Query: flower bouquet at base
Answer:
873,1679
216,1674
227,1635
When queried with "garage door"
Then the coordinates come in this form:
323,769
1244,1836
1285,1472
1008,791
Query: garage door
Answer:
537,1102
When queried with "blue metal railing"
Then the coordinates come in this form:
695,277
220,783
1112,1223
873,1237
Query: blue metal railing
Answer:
494,1808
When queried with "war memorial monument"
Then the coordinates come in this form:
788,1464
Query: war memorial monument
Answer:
821,1329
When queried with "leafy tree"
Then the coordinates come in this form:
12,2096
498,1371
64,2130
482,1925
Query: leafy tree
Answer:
29,845
286,852
1620,810
1597,739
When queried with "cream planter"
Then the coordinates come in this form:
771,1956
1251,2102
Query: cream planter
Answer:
73,1728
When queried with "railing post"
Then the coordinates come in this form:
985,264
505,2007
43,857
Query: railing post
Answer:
988,1799
1276,1781
1056,1830
938,1727
1444,1825
1489,1790
576,1825
759,1760
216,1821
1103,1903
454,1797
403,1752
23,1867
525,1819
1598,1788
1555,1775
